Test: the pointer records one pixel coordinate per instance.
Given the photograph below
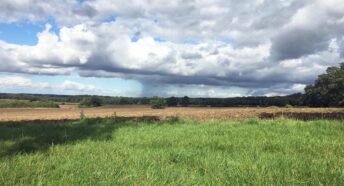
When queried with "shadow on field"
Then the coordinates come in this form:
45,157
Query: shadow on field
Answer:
34,136
304,115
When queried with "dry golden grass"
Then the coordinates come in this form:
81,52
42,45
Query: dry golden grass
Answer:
197,113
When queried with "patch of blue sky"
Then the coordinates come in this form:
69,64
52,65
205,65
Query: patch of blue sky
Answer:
99,82
54,25
229,41
20,33
53,80
160,40
24,33
135,38
191,41
110,19
110,85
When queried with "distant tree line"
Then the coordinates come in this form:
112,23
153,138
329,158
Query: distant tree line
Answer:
105,100
262,101
11,103
327,91
92,101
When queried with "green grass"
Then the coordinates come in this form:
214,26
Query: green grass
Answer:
115,152
9,103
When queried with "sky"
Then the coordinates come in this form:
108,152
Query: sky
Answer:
197,48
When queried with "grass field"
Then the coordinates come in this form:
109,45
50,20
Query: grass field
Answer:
118,152
11,103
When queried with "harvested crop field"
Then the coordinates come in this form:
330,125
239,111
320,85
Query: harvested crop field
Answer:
195,113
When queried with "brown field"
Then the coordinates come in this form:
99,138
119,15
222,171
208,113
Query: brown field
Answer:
73,113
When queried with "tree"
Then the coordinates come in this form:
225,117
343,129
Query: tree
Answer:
328,89
172,101
185,101
158,103
92,101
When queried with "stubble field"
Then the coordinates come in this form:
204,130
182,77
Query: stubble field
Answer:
71,112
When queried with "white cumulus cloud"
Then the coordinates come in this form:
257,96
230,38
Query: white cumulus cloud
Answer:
263,46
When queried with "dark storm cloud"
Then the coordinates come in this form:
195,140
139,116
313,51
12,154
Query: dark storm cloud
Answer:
310,31
298,42
86,10
151,77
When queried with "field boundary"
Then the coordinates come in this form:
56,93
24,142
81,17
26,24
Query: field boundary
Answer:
304,115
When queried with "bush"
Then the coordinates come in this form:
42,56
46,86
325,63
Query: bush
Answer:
288,106
158,103
82,116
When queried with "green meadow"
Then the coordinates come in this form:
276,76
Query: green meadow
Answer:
115,151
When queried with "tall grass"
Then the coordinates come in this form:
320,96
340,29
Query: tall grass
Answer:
8,103
115,152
